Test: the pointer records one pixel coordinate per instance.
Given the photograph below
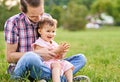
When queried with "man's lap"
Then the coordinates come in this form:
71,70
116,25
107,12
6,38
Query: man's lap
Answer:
32,59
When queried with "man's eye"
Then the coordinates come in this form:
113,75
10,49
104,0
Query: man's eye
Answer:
32,16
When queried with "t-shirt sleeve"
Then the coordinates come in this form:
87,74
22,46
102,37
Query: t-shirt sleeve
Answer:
10,32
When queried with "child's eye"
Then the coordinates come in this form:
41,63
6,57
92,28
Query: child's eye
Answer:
48,31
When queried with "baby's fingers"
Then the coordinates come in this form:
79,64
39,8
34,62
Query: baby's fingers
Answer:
66,46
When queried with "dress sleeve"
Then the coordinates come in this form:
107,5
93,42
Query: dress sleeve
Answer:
38,42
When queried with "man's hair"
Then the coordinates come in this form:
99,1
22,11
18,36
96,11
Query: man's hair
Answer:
49,21
32,3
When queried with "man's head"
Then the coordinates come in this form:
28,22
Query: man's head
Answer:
33,9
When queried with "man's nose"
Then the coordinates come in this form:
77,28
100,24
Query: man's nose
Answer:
38,18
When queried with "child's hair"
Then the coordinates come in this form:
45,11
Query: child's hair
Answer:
48,21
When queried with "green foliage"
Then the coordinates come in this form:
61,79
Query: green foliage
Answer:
116,12
61,2
100,6
56,13
109,7
75,13
87,3
5,13
74,16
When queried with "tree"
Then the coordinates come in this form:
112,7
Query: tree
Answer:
74,16
56,13
107,6
100,6
116,12
5,13
86,3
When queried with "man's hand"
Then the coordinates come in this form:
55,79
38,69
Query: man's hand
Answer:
45,53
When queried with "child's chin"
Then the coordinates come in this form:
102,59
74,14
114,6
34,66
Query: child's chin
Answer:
49,41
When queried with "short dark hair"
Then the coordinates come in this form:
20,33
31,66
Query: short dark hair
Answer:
32,3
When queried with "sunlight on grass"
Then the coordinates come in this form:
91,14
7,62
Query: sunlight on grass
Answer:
100,46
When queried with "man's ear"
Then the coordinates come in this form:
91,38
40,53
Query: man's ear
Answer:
20,8
23,9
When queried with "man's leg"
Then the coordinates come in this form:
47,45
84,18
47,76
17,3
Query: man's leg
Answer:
33,63
78,61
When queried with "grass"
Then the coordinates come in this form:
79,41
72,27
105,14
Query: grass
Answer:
100,46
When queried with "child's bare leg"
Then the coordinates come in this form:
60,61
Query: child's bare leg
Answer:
69,75
55,72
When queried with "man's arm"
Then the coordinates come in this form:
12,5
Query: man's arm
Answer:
43,52
11,55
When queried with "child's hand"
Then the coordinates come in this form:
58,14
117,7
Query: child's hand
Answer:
61,50
63,47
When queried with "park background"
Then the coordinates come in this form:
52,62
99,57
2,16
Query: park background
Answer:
101,46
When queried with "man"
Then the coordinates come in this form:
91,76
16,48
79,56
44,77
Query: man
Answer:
20,33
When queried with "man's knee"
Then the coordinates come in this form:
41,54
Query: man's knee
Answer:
82,58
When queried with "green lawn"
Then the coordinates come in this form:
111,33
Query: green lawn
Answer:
100,46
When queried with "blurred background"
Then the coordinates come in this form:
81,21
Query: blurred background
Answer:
91,27
72,14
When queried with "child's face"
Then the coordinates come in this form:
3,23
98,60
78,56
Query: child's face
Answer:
47,33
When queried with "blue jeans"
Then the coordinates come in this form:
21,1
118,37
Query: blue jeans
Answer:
33,63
